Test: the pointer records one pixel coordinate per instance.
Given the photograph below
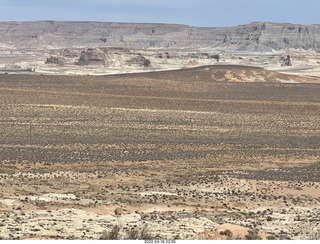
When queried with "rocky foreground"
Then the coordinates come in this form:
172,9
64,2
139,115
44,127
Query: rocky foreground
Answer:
168,209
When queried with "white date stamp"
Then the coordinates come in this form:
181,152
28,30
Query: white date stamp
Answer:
160,241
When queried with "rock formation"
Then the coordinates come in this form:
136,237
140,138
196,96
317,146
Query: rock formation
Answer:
92,57
55,60
140,61
111,48
286,61
257,36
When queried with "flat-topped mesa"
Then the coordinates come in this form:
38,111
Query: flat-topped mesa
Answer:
253,37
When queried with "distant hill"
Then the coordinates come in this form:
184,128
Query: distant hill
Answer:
227,73
253,37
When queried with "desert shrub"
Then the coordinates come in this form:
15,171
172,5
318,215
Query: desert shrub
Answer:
133,234
269,218
104,235
315,236
227,233
113,234
145,233
140,234
137,233
252,236
271,237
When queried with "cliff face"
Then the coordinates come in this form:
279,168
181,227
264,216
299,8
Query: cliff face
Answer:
123,57
257,36
92,57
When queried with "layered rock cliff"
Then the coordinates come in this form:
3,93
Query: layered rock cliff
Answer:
257,37
123,57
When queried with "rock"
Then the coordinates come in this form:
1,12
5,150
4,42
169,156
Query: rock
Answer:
286,61
191,63
92,57
140,61
119,211
136,59
56,60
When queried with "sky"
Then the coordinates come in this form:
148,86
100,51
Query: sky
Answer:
206,13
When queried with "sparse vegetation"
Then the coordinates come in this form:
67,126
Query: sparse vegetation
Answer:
134,233
227,233
129,145
142,233
113,234
271,237
252,236
315,235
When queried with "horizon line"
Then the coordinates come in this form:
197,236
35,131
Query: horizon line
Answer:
152,23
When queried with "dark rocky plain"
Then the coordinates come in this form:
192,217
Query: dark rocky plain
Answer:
176,151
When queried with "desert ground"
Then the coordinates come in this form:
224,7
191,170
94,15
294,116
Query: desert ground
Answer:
166,155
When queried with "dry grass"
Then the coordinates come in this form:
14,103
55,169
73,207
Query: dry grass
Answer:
135,233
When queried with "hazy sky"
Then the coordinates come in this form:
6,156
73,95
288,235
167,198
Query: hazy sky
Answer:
190,12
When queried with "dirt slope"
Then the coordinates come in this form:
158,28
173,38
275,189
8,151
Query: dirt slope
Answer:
236,73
